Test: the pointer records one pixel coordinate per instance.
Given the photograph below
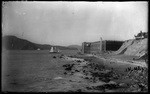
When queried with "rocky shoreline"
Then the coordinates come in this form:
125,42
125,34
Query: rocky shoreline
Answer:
97,78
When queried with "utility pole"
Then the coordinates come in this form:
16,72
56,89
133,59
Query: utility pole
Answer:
83,44
101,43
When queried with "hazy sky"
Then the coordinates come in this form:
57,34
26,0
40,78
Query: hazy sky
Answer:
68,23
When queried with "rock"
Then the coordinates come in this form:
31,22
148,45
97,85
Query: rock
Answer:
121,84
68,67
57,78
79,90
79,74
60,57
54,56
65,73
78,61
88,88
111,82
105,71
107,90
83,64
98,83
109,86
70,56
77,71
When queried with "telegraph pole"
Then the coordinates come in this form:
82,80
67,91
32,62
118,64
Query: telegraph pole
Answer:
101,43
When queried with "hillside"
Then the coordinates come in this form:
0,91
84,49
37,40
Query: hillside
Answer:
134,47
15,43
75,46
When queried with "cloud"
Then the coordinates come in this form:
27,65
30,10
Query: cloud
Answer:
65,23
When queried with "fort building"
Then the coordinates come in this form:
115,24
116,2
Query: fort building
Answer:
100,46
141,35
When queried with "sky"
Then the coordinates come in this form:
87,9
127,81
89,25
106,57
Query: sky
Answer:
71,23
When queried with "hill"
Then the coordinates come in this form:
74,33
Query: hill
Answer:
15,43
134,47
75,46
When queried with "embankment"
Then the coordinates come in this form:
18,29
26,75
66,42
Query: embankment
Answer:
134,47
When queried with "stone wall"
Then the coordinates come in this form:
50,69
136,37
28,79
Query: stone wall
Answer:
93,47
86,47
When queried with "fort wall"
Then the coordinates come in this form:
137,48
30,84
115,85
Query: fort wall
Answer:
100,46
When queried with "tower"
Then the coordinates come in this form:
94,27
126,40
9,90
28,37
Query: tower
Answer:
102,45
